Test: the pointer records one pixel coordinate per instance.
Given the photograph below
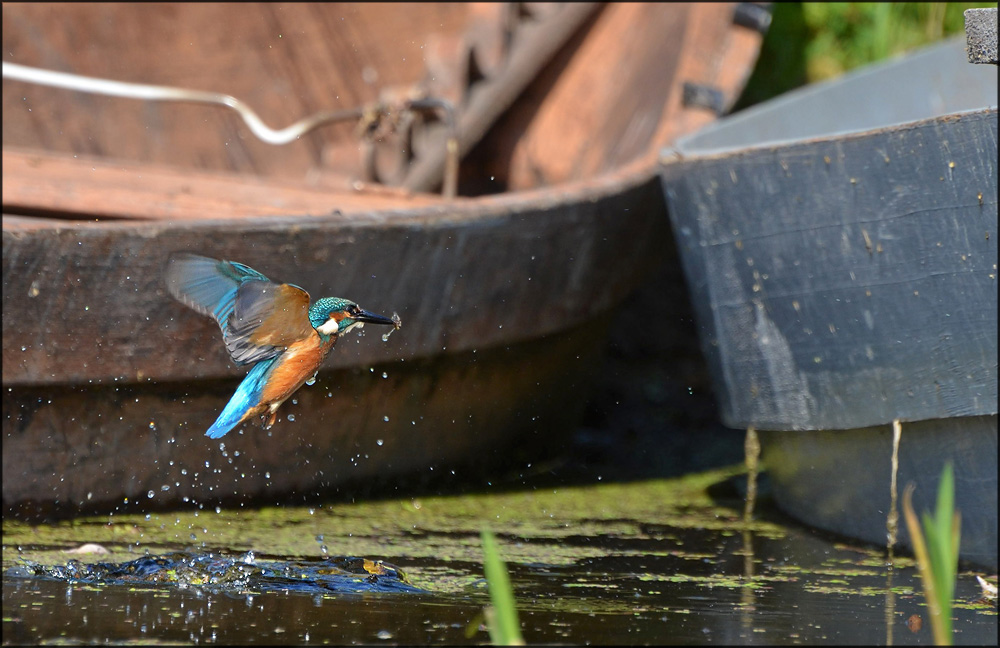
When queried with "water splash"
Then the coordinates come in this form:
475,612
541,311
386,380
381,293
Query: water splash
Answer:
234,573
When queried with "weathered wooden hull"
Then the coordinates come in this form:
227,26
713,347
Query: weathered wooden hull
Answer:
357,430
505,299
503,310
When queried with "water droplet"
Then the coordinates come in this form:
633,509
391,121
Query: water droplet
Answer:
385,418
150,494
379,441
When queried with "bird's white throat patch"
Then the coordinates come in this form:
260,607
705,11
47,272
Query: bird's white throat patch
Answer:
331,326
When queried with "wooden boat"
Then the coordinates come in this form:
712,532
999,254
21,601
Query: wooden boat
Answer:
506,290
840,245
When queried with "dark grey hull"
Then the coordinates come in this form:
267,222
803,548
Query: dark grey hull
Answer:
840,244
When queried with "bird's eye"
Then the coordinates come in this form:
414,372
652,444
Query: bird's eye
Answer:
353,310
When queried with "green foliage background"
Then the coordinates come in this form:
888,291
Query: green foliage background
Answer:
811,41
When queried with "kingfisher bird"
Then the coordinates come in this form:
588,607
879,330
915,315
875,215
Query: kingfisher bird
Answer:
267,324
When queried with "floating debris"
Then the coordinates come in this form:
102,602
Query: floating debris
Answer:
989,589
89,548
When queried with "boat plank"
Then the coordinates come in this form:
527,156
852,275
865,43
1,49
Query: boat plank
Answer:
85,188
84,301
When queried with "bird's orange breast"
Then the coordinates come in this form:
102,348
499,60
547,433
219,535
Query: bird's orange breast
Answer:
295,366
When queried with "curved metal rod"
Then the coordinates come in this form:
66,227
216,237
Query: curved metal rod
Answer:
253,121
95,85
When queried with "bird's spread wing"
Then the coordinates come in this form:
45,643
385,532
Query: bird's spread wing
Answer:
258,317
266,318
207,285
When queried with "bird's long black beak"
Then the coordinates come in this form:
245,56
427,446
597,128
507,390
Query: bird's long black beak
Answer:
372,318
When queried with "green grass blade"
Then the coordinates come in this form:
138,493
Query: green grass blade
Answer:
937,549
502,621
943,538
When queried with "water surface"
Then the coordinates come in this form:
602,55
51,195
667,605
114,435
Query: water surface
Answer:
648,562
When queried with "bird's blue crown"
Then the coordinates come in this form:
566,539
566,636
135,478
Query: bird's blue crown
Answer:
319,312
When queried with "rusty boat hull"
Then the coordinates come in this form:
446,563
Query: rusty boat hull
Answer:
506,292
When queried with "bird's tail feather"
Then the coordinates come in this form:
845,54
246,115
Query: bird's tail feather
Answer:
246,397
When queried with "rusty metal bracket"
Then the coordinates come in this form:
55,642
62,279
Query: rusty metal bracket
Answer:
397,118
502,59
752,15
